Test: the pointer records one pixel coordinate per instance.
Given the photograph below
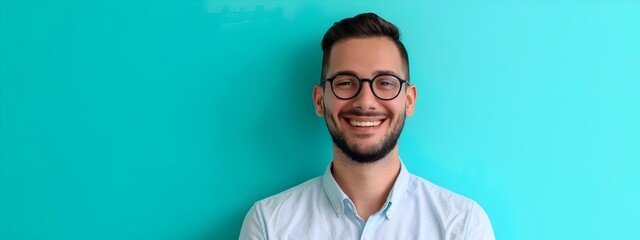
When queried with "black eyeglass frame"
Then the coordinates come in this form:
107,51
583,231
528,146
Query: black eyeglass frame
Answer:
361,80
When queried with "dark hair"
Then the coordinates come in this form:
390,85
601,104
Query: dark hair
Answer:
361,26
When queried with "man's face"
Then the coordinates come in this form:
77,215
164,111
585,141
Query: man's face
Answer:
365,128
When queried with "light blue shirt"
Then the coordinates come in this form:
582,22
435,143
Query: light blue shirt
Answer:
319,209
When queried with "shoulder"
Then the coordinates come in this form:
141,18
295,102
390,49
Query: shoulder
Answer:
445,204
297,195
419,187
456,212
259,220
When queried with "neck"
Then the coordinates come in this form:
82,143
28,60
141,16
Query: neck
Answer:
366,184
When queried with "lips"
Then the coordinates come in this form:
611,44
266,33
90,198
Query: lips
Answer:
364,121
356,123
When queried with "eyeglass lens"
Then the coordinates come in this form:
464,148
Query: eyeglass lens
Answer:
383,86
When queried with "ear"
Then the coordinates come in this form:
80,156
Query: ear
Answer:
412,94
318,98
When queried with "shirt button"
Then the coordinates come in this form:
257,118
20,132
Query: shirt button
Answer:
339,210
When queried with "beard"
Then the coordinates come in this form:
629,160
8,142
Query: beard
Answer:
362,154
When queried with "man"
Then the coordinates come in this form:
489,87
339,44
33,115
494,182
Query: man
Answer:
366,192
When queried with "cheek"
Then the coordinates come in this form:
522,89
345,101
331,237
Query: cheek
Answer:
398,110
329,111
332,113
332,107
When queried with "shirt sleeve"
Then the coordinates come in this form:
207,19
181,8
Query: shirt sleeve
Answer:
253,225
479,226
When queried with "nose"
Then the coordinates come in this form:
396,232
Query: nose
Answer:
365,99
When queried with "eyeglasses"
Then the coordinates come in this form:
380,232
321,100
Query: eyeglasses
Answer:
347,86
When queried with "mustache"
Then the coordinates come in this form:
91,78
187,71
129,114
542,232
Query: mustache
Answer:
356,112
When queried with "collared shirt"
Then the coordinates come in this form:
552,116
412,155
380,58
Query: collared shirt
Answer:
414,209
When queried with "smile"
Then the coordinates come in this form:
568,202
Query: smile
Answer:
364,123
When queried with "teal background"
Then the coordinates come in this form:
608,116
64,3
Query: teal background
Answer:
167,119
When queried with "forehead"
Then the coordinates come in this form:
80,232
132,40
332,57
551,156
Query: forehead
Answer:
365,57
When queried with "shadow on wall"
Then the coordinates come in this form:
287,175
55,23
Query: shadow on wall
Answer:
294,146
288,142
228,229
297,141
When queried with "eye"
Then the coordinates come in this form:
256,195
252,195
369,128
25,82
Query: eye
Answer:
344,81
386,82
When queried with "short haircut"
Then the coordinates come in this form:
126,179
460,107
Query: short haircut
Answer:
363,25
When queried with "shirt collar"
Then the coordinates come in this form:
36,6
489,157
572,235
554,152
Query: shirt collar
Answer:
398,191
333,191
337,196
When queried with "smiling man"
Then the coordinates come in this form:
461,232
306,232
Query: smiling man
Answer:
366,192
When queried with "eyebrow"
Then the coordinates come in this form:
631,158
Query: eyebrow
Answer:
376,73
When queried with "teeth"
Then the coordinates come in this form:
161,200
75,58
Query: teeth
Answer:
365,123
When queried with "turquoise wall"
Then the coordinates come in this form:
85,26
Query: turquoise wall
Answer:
167,119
